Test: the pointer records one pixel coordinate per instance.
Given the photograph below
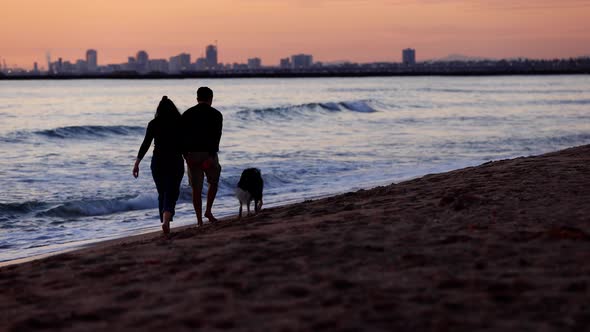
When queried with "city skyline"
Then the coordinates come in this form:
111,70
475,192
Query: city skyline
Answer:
331,30
142,63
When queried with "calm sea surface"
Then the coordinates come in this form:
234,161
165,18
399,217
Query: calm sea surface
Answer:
68,146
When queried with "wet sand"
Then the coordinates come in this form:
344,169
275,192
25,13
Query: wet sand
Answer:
504,246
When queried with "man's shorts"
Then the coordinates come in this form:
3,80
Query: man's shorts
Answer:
202,164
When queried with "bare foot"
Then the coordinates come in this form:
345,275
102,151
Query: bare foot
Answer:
199,223
210,216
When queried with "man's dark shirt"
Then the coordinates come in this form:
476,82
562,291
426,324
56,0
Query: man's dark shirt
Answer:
201,129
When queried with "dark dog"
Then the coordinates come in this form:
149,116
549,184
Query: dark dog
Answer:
250,188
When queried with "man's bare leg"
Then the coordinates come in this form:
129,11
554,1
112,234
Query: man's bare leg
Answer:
211,193
198,204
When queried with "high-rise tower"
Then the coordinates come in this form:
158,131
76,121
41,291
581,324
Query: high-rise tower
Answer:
409,56
142,61
211,56
92,60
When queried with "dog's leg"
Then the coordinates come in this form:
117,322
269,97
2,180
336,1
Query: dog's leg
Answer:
248,205
240,213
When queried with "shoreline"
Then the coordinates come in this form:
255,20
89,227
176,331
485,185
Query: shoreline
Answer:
499,246
147,234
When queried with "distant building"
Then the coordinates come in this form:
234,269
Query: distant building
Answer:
300,61
285,63
158,65
67,67
409,56
131,64
92,61
112,68
180,63
254,63
82,66
211,56
201,64
142,62
239,66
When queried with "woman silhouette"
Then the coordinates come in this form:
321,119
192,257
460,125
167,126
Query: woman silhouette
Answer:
167,162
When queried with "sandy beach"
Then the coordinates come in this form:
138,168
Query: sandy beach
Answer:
504,246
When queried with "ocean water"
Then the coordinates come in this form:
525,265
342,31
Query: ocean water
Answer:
68,147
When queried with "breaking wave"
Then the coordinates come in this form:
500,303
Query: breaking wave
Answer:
90,131
73,132
101,207
294,111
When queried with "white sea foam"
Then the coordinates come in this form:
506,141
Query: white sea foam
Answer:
101,206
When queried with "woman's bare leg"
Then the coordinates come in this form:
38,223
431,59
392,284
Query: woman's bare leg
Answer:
166,223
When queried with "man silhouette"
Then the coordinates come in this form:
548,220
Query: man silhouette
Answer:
201,129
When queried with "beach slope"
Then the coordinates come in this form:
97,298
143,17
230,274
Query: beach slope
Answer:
502,246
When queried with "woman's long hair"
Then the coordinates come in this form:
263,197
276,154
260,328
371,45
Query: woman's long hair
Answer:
167,111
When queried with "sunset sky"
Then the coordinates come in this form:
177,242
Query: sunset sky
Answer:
330,30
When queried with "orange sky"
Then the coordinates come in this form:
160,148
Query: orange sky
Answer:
331,30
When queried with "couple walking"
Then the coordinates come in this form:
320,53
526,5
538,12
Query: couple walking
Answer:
193,136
